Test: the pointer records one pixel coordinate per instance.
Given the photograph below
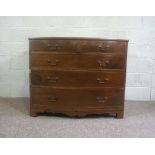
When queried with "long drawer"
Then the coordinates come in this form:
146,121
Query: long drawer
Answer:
77,45
78,61
74,78
75,97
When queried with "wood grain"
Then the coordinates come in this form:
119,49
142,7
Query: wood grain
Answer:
77,76
67,60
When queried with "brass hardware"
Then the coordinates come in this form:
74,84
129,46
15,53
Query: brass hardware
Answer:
52,47
52,62
52,79
100,63
107,62
52,98
102,81
101,99
104,47
103,63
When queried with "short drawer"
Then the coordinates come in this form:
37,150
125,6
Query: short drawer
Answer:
78,61
101,46
67,45
53,45
75,97
66,78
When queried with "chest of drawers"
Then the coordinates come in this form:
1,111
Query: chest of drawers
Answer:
77,76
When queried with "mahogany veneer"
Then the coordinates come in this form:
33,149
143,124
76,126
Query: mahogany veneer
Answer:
77,76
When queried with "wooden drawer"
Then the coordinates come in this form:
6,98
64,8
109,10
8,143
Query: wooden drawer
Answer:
101,46
77,78
77,46
78,61
53,45
74,97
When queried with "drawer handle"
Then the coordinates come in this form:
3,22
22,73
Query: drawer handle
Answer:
52,98
104,47
52,47
102,81
52,79
101,99
103,63
53,62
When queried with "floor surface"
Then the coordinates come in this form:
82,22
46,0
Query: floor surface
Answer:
139,121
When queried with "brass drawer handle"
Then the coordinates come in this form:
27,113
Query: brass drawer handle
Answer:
101,99
52,79
52,47
103,63
102,81
53,62
104,47
52,98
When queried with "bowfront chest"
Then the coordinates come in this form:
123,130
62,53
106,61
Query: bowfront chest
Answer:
77,76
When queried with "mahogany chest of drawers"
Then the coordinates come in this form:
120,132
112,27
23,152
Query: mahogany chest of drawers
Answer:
77,76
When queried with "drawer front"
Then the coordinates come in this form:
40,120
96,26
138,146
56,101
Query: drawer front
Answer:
53,45
77,46
68,97
101,46
78,61
77,78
